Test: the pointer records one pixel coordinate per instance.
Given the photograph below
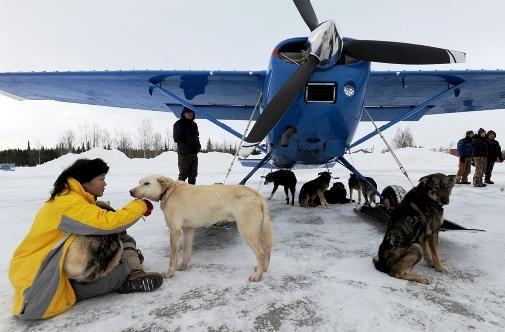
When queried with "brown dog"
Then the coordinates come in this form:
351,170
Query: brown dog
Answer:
412,232
187,207
314,188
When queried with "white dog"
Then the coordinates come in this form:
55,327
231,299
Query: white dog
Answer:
187,207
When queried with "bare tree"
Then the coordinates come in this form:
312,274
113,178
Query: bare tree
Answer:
84,134
96,135
145,136
67,140
105,138
403,138
122,140
157,143
168,138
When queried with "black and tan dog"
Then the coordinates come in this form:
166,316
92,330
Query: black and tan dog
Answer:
90,257
356,184
336,194
413,229
314,188
283,177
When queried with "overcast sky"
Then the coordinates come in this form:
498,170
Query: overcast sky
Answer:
221,34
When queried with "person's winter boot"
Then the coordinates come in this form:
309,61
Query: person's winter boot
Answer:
488,181
477,182
140,281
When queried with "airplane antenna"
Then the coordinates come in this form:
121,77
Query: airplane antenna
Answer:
243,136
398,162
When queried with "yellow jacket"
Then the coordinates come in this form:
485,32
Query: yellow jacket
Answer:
36,271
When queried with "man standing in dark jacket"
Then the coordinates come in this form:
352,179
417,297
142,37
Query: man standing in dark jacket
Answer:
465,158
479,144
186,136
493,155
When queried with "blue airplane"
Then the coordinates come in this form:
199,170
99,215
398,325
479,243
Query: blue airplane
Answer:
310,99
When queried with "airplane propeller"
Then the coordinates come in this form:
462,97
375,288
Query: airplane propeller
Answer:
280,102
326,48
400,53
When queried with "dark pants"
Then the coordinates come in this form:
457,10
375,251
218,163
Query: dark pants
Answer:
106,284
188,167
489,169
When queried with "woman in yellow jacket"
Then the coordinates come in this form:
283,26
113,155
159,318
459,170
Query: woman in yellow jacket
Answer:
36,271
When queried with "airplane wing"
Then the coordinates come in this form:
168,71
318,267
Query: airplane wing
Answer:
391,94
226,95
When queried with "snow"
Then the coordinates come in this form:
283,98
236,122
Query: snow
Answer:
321,275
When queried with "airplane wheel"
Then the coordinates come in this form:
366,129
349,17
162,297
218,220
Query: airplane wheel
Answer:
394,194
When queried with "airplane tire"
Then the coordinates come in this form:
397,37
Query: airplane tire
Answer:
394,194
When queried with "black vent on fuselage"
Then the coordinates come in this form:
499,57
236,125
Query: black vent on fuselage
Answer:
321,92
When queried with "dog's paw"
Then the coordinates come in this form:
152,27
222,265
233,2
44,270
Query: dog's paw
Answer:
442,268
181,267
167,275
424,280
429,262
255,278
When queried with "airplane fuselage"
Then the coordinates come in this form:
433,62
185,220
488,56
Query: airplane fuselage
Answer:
323,118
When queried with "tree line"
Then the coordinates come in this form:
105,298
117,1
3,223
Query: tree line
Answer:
144,143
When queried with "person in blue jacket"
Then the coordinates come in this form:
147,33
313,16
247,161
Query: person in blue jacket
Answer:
465,158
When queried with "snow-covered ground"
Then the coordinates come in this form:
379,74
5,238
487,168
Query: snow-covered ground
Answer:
321,275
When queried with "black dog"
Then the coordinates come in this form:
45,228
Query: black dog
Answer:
361,187
336,194
412,232
314,188
283,177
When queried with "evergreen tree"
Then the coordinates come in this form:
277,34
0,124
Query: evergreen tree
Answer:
209,146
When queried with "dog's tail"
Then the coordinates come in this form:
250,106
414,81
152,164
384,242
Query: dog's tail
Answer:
266,232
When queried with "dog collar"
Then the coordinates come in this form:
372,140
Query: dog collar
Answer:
161,197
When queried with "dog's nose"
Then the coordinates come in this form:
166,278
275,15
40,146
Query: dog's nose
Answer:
131,192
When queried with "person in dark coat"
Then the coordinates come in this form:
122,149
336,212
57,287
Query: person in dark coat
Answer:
493,155
186,136
479,145
465,152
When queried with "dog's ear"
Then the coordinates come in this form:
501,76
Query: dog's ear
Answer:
452,178
164,182
424,180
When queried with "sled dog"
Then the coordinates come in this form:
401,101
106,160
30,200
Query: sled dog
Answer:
283,177
90,257
362,188
314,188
187,207
413,229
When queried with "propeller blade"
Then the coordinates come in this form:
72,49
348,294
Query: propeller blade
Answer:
280,102
309,16
400,53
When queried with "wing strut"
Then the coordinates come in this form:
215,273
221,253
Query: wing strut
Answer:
408,114
398,162
200,113
243,136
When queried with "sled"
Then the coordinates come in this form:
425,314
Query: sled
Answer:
391,197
